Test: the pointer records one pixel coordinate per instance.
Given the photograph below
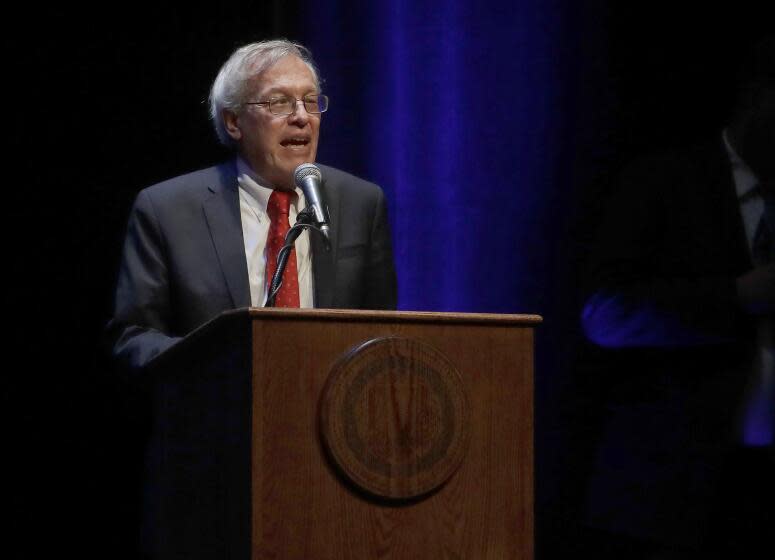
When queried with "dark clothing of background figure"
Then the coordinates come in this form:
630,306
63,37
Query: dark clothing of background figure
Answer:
678,350
184,258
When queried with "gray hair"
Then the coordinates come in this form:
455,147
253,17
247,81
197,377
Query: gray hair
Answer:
231,85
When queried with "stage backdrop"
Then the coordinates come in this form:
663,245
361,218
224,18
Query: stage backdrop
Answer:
455,109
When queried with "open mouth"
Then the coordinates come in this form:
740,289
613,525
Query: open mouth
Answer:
295,142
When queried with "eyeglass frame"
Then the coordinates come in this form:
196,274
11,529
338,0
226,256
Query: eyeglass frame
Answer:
295,104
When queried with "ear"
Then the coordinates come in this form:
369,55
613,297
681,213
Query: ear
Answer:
231,122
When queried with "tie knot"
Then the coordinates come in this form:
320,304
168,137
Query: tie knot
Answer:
279,203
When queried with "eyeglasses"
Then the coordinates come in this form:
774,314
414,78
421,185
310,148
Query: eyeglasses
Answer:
283,105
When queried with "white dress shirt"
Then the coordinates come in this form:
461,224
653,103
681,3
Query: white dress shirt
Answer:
254,197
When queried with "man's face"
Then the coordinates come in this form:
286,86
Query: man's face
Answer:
274,145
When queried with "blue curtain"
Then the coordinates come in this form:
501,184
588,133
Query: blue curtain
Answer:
456,110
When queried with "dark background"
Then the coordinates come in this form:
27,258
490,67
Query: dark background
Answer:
104,103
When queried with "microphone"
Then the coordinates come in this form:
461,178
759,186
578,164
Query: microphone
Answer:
307,177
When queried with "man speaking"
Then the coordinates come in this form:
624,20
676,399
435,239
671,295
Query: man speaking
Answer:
205,242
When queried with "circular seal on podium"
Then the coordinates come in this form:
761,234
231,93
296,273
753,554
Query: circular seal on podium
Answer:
394,417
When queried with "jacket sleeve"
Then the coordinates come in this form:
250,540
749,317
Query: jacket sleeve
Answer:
381,284
140,326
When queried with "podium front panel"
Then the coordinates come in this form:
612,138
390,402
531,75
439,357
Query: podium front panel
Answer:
303,506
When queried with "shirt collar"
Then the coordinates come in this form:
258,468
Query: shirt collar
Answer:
745,179
253,185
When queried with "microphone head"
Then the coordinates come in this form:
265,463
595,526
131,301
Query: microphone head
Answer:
308,177
306,170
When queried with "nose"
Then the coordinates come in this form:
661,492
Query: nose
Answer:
299,115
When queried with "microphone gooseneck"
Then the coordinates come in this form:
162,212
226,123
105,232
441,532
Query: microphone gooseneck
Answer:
303,220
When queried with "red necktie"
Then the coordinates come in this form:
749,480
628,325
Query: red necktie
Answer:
278,209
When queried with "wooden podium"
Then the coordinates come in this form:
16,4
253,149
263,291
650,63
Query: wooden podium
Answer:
322,434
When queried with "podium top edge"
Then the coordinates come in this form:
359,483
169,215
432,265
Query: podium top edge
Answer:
244,315
377,316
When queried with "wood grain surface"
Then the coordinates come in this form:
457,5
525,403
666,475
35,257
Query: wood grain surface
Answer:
303,508
395,417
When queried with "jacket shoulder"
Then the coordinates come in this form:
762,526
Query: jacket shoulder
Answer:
192,185
332,175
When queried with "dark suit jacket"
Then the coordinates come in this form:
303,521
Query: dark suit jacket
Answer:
663,303
184,258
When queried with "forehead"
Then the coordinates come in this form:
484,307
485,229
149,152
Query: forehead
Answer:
290,73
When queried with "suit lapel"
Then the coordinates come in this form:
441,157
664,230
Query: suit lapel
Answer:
322,260
222,211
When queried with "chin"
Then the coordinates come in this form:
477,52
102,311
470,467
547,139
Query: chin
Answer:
297,162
